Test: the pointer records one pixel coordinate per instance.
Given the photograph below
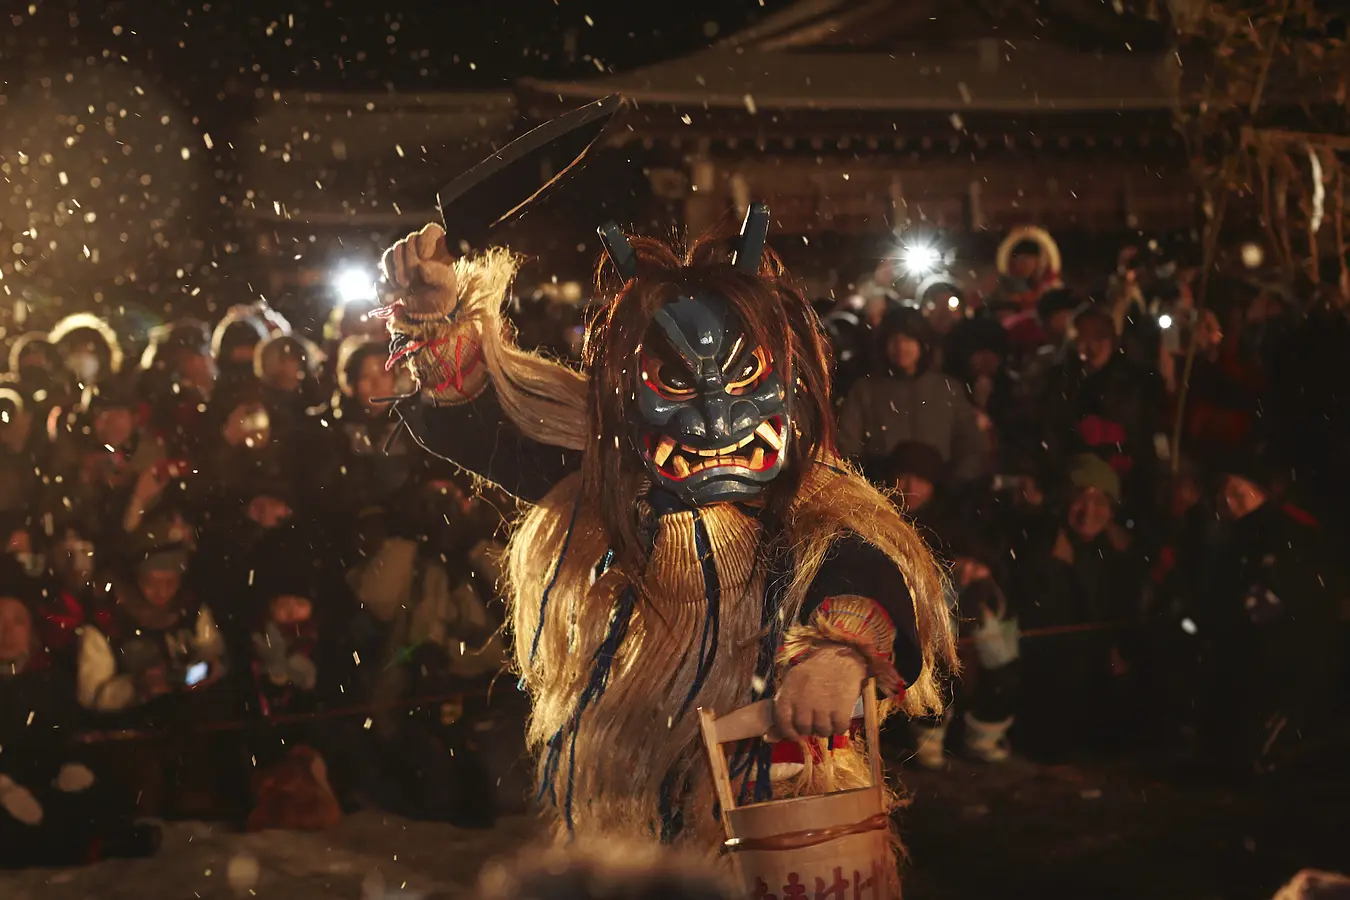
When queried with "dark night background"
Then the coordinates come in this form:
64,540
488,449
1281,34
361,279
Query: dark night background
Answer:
139,108
146,163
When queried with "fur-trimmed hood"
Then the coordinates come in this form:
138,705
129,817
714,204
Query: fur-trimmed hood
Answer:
77,322
239,323
27,341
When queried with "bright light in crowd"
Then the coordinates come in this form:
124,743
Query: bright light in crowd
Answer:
1252,255
1164,321
355,285
920,259
953,302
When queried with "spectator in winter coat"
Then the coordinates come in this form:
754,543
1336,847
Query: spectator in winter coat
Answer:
916,472
163,642
102,451
911,402
1266,620
285,642
286,367
71,599
1088,576
361,468
977,356
53,811
177,379
1095,402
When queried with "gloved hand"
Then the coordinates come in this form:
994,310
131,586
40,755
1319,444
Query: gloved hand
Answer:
420,293
73,778
818,694
421,270
302,672
19,802
270,648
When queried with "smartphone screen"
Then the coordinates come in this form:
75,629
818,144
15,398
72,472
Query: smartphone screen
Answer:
196,674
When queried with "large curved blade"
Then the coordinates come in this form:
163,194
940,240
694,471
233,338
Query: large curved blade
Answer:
502,185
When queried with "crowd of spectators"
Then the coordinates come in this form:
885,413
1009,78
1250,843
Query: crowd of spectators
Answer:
213,555
220,558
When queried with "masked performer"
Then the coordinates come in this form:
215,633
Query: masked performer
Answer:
690,538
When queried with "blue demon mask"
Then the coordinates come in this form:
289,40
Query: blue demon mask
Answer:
711,413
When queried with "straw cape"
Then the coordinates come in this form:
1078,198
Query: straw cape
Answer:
619,647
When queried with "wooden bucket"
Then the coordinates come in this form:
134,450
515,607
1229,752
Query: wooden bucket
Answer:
834,846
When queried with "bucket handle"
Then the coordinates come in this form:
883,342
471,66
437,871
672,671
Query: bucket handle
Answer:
756,720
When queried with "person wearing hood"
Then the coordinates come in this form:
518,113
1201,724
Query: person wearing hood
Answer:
89,348
911,402
177,379
247,448
233,344
53,810
105,455
286,367
361,467
33,351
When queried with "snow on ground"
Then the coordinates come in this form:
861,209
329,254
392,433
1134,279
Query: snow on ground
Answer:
371,856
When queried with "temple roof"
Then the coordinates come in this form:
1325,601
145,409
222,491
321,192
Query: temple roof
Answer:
947,55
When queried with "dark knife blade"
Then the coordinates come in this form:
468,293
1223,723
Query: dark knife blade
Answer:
502,185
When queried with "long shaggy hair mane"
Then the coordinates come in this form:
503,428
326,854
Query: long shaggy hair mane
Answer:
638,723
774,314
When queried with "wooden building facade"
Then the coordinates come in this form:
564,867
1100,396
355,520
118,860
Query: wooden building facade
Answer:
858,118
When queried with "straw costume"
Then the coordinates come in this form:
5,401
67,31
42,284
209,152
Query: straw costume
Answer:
689,538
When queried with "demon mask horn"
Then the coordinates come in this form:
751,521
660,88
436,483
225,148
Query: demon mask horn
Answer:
620,252
754,233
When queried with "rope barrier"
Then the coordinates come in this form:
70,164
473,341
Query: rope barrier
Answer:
142,734
1058,630
145,734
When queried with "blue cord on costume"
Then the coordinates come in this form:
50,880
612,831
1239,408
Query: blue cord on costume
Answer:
603,660
712,598
553,580
760,752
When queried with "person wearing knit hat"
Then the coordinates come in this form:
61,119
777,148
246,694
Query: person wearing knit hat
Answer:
161,641
1087,574
1088,471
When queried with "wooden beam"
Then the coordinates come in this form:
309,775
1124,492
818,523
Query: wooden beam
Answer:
1252,136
